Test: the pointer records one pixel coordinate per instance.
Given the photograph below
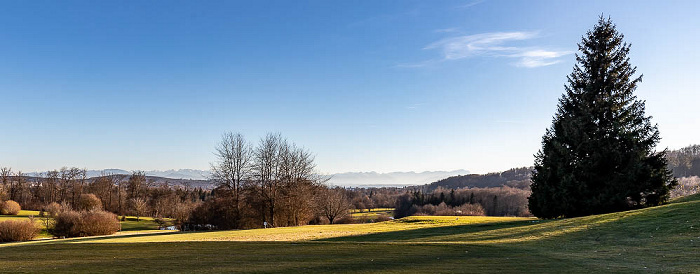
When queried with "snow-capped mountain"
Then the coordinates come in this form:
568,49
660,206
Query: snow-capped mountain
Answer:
348,179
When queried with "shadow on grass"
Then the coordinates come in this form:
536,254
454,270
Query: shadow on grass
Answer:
420,233
278,257
626,227
49,241
311,257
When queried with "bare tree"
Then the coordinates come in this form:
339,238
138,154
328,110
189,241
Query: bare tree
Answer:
265,168
7,182
67,184
102,187
21,190
333,203
139,205
296,173
136,184
234,164
118,181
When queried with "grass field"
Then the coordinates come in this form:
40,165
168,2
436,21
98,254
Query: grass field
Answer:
373,214
129,226
660,239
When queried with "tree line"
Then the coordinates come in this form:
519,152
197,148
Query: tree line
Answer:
272,183
120,194
496,201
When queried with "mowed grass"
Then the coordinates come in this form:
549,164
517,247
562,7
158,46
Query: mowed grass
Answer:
24,215
319,232
129,226
371,216
372,212
660,239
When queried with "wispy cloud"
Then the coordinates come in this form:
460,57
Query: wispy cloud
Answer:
447,30
496,44
479,44
539,58
470,4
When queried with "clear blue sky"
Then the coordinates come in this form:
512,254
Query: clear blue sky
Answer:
366,85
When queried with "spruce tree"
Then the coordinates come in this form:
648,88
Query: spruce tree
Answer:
599,154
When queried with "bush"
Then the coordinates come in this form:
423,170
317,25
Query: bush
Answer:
89,202
66,224
85,223
53,209
99,223
15,230
383,218
444,210
469,210
686,186
347,219
217,213
9,207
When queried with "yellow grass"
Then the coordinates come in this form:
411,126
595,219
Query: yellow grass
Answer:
318,232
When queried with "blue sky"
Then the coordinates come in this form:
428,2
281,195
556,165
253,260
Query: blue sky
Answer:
366,85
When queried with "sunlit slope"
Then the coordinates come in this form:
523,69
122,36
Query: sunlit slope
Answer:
675,222
672,223
320,232
660,239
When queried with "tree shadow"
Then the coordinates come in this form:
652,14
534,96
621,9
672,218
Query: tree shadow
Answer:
430,232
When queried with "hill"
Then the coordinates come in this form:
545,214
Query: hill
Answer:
396,179
516,177
658,239
684,162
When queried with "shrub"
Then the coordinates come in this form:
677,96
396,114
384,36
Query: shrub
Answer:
66,224
383,218
216,212
686,186
99,223
444,210
54,208
9,207
347,219
15,230
89,202
470,210
85,223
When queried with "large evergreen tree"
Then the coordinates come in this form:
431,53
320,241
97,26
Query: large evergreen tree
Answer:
599,154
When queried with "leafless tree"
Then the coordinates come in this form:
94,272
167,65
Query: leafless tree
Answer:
136,184
296,173
49,187
333,203
234,164
139,205
265,168
6,180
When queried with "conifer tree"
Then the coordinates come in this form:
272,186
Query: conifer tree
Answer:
599,154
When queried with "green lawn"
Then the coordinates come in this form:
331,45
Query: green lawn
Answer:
366,216
660,239
129,226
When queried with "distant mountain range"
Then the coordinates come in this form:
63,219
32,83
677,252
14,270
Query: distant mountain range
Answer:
188,174
348,179
374,179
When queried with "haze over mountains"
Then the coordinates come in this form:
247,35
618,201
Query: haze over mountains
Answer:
348,179
189,174
367,179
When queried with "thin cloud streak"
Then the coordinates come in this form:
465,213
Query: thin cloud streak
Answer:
459,47
494,44
539,58
470,4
